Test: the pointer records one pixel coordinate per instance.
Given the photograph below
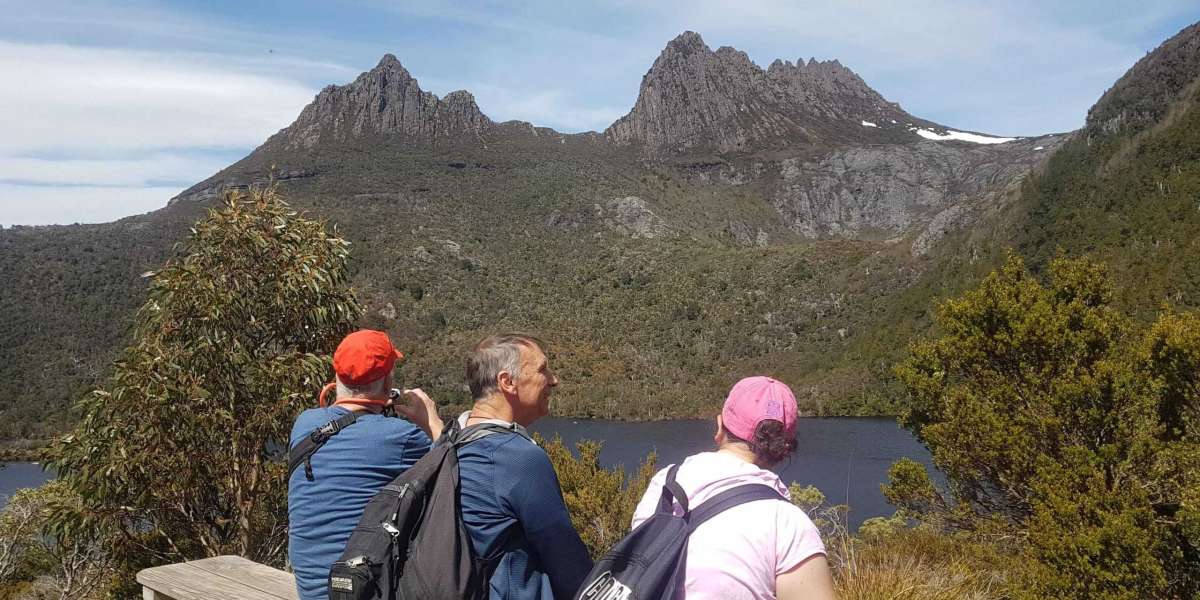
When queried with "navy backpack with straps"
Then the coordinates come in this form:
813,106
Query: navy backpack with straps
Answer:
411,542
649,563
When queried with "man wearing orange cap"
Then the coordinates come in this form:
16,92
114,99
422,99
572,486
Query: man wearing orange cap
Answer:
342,454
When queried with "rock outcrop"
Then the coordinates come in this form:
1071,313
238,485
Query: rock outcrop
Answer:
384,100
631,216
888,190
697,99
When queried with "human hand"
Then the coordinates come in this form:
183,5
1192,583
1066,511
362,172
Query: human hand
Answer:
421,410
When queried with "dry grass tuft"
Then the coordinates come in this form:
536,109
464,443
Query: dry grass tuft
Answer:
917,564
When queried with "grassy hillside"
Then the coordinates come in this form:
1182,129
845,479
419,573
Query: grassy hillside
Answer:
1131,200
640,327
651,305
69,298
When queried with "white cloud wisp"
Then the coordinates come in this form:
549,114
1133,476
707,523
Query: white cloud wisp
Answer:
40,205
94,134
61,98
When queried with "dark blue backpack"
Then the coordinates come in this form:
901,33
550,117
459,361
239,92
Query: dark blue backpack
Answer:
649,563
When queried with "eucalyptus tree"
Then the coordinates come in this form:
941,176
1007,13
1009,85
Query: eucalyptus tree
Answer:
177,453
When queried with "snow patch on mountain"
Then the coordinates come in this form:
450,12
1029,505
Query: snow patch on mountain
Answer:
961,136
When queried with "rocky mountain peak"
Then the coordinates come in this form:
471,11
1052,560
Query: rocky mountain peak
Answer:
388,61
387,100
687,42
694,98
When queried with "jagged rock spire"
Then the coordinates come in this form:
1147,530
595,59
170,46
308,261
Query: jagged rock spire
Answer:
695,98
385,100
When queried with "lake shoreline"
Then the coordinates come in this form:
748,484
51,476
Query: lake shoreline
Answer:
34,450
29,454
847,458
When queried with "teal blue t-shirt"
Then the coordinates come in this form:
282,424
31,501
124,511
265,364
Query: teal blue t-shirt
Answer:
348,470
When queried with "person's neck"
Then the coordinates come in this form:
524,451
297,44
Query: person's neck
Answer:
739,452
360,404
491,408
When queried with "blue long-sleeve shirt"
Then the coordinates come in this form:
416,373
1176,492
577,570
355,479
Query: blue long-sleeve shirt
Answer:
348,470
510,498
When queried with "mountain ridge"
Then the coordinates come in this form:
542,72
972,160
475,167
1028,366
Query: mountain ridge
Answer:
712,116
695,98
1146,91
385,100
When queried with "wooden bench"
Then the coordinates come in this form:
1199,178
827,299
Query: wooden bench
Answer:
219,578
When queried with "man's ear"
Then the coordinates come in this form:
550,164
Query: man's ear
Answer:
719,436
505,383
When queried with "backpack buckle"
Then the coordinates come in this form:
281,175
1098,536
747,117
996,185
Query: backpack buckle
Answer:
391,529
324,432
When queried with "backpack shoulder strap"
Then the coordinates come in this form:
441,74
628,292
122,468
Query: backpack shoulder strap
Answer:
672,492
729,499
303,451
482,430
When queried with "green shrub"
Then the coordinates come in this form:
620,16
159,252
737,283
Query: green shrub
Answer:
601,501
1057,418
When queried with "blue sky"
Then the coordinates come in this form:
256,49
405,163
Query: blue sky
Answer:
109,108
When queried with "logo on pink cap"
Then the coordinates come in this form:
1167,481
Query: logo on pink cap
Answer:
755,399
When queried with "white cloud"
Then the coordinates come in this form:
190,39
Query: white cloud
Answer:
41,205
95,134
62,98
144,170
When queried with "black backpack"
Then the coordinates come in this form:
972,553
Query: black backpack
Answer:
411,542
649,563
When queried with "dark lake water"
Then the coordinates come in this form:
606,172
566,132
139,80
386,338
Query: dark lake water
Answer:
845,458
14,476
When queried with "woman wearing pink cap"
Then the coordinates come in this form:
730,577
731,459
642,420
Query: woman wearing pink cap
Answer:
763,549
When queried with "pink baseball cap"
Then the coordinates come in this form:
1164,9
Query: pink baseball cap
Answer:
755,399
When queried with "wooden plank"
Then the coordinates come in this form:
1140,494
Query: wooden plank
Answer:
184,582
220,578
252,574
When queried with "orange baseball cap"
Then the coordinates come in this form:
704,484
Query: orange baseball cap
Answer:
364,356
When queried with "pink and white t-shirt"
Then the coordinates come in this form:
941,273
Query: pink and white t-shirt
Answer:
738,553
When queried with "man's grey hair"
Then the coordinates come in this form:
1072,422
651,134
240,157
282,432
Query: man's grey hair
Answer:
374,389
493,355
